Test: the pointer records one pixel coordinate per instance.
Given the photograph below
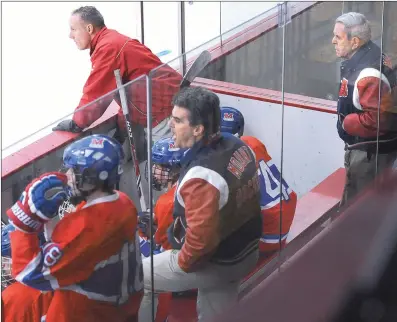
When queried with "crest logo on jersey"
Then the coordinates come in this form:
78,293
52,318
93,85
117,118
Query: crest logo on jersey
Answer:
52,254
387,61
229,117
172,147
96,143
343,91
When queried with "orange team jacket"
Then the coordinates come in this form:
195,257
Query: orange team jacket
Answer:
111,50
164,217
92,263
269,179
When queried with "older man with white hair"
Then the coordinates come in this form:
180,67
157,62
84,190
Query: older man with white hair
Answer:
367,115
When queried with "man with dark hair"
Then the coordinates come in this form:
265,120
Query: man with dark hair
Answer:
217,216
367,115
110,50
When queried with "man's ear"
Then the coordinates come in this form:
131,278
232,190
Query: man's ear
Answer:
90,28
356,42
198,130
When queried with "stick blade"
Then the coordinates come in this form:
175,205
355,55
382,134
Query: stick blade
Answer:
199,64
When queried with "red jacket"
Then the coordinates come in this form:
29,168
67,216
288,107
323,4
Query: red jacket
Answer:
111,50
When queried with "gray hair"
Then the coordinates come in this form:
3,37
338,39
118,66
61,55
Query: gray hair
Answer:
90,14
356,25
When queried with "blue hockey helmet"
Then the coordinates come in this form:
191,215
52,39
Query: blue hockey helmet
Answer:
164,152
166,159
232,121
96,160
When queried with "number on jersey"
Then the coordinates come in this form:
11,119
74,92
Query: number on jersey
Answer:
270,185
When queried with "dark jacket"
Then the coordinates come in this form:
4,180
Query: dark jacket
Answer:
359,103
217,215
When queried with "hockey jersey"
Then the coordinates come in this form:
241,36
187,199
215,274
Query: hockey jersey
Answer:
163,211
92,262
271,201
22,303
162,220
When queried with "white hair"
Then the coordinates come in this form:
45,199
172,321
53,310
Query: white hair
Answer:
356,25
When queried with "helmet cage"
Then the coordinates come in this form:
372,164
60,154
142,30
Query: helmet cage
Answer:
162,175
6,276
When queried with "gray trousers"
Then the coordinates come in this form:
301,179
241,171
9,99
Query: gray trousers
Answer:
217,285
361,170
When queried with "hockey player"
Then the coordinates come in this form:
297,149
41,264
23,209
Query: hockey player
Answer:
165,173
232,121
166,159
91,261
217,219
26,304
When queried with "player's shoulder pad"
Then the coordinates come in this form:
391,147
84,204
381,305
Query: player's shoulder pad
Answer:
257,147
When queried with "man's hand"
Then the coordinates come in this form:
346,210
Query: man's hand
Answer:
144,223
39,202
68,126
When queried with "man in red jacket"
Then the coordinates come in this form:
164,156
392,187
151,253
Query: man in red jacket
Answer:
110,50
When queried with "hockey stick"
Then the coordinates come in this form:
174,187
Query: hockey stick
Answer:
163,53
199,64
124,106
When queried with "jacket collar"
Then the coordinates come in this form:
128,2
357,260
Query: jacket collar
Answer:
191,153
201,147
96,38
361,52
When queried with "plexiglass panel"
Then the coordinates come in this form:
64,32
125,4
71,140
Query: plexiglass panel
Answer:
202,23
54,65
161,28
235,15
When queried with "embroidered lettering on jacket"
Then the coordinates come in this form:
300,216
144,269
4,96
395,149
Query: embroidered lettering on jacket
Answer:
247,191
343,91
239,161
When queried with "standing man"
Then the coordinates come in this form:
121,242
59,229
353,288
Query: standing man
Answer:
110,50
367,124
217,216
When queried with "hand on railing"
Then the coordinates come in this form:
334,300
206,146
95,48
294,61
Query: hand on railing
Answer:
68,126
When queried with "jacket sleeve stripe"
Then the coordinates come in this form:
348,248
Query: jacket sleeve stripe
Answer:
210,176
367,73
